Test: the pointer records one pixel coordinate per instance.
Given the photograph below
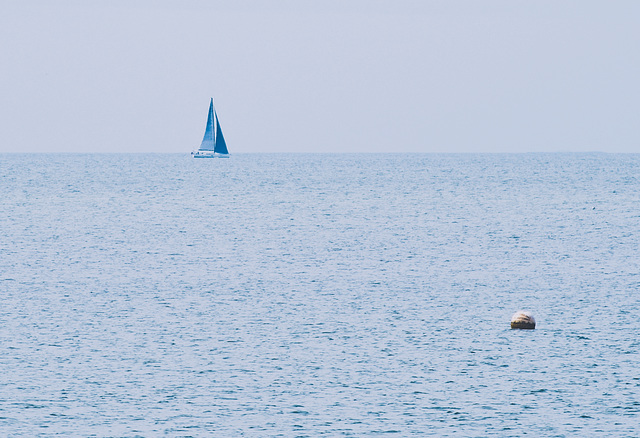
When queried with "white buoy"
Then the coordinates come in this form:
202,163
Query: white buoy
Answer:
523,320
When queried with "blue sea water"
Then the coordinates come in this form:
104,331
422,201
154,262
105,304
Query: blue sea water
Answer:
312,295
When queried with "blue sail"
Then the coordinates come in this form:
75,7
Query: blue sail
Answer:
221,145
209,140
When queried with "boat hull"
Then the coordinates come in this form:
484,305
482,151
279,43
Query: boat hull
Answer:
209,155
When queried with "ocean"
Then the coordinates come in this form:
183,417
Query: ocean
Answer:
308,295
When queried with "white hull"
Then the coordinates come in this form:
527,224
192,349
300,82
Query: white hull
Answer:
201,154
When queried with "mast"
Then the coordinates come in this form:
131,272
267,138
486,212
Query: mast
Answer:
213,124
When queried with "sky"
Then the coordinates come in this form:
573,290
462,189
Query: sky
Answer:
326,76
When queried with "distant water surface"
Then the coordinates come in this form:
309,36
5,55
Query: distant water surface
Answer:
319,295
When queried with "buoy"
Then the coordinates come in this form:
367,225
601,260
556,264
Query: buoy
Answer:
523,320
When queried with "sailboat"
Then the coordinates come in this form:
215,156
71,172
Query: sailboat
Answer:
213,144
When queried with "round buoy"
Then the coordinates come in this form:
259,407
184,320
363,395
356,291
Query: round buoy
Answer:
523,320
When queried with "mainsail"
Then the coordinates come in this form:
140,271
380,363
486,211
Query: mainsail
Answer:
209,140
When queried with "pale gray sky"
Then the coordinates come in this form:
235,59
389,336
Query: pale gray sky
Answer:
320,76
